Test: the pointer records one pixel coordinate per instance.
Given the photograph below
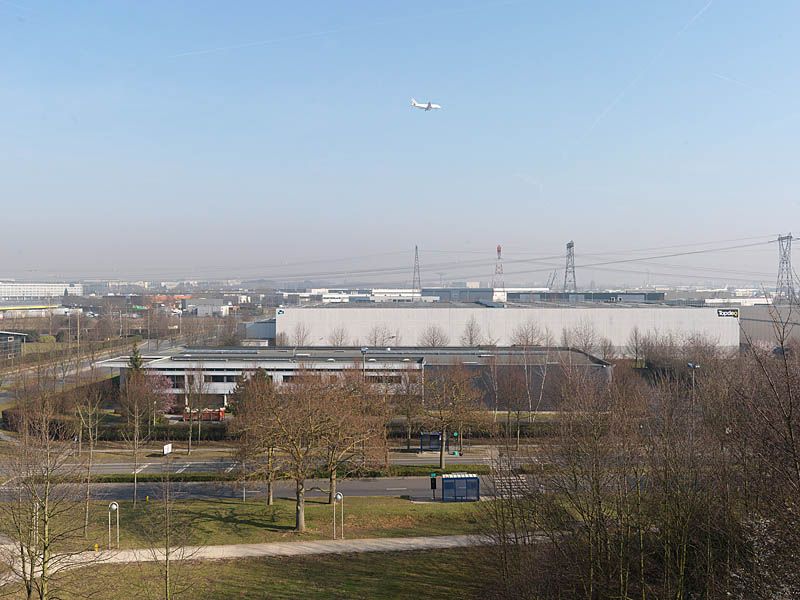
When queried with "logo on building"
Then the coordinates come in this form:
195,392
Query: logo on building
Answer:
728,312
280,311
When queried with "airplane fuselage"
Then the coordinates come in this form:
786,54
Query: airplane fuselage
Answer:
426,106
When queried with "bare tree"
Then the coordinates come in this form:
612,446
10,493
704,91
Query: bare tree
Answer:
296,415
338,337
88,406
583,337
380,335
433,337
635,348
351,424
255,439
142,396
39,517
301,334
472,335
407,402
168,532
451,399
196,398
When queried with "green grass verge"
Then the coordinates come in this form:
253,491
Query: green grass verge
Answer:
229,521
394,471
454,573
424,470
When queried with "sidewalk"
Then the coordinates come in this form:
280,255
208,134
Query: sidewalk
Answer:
291,548
233,551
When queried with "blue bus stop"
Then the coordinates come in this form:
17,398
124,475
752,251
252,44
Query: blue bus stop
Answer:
461,487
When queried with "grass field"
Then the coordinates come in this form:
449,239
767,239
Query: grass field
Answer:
456,573
228,521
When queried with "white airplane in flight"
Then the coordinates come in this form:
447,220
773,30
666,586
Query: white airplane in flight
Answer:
424,105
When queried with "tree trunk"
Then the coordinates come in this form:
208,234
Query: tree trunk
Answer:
189,445
442,446
270,475
332,485
300,506
408,434
135,462
88,485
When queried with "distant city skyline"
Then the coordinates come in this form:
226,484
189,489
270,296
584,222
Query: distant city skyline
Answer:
195,140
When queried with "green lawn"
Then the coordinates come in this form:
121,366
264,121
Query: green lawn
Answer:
455,573
227,521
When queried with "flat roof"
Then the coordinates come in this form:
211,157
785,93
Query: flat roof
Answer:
539,304
507,355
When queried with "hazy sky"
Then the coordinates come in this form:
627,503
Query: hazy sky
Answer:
166,139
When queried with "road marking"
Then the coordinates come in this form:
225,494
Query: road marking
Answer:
396,489
142,468
229,469
183,468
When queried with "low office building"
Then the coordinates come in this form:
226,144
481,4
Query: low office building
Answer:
214,372
11,344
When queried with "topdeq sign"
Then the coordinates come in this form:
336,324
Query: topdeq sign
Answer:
728,312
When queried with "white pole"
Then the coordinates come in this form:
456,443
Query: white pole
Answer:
342,527
117,529
334,519
109,529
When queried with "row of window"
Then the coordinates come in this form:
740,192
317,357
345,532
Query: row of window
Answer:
179,380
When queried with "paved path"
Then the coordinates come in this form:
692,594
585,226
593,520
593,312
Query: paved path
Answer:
234,551
229,551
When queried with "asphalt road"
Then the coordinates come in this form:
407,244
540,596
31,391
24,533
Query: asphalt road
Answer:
185,464
416,487
6,396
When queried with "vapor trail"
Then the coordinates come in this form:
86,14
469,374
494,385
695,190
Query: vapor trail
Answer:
313,34
743,84
647,67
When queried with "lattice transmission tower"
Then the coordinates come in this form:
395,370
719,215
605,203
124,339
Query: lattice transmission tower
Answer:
416,282
784,289
569,269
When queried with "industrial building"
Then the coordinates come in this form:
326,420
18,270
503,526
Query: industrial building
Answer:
22,290
215,372
11,344
498,325
612,297
766,324
15,310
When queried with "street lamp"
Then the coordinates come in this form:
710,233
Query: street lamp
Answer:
113,507
339,497
364,361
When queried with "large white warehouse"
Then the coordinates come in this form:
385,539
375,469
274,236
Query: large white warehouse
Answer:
407,326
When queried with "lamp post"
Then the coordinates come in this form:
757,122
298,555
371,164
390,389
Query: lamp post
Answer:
339,497
113,507
364,361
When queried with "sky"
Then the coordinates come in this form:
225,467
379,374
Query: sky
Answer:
181,139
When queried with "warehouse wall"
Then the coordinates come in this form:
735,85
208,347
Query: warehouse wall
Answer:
408,324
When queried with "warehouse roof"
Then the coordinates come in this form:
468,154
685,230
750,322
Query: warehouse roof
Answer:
436,356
